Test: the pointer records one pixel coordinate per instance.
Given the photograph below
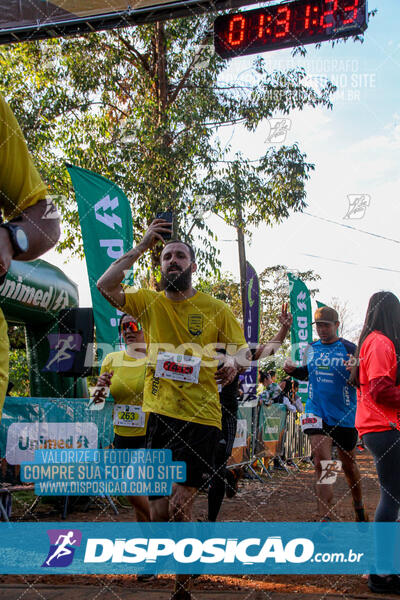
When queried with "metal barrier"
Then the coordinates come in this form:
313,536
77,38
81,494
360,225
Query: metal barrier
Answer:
269,434
296,445
244,448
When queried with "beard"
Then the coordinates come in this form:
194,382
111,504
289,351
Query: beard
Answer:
177,282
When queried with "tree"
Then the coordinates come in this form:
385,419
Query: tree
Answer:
132,105
19,373
16,336
18,363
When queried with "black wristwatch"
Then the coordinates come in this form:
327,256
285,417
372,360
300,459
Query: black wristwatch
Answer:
18,238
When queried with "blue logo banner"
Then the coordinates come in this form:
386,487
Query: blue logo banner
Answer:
212,548
92,472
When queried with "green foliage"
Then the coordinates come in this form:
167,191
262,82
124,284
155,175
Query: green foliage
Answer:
19,373
132,106
16,336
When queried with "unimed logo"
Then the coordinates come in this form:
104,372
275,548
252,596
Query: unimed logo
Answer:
62,547
191,550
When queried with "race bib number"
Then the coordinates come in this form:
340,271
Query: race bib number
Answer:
129,415
178,367
310,421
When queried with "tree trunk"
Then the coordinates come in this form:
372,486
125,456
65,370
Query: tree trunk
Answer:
241,246
161,73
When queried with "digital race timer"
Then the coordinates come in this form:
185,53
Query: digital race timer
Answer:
289,24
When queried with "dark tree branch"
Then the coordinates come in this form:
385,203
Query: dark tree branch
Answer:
186,75
138,56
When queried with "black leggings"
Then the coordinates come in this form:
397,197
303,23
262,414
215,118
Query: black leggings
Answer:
385,448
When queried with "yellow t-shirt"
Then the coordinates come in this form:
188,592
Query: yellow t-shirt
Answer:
127,385
20,183
190,327
20,187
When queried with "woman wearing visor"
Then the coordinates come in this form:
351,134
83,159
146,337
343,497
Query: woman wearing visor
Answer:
124,373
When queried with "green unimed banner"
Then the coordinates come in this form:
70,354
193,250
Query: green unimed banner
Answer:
106,223
301,331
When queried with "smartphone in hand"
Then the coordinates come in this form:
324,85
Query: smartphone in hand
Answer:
167,216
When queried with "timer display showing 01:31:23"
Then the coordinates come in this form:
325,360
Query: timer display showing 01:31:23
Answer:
285,25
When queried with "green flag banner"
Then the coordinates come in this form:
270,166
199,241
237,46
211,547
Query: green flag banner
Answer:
106,223
301,331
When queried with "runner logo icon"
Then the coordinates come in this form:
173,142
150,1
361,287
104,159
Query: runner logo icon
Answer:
61,551
330,471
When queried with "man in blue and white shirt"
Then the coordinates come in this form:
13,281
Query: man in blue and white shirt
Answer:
330,409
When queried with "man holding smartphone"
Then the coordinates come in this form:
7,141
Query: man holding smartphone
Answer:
180,391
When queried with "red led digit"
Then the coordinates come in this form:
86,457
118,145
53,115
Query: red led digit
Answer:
354,8
268,29
261,22
284,22
308,19
328,13
315,11
236,32
308,13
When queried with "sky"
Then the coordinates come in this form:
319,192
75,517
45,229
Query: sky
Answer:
356,152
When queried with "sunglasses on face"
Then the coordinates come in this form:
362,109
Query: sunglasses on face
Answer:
132,326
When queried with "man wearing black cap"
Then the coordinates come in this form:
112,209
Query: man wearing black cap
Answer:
330,409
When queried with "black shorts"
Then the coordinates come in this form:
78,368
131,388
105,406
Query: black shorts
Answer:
345,438
192,443
131,442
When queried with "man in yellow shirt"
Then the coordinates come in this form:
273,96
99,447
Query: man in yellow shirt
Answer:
182,327
32,225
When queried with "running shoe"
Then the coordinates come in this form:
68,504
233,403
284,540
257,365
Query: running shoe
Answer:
384,584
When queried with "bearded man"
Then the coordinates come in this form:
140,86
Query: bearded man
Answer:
183,327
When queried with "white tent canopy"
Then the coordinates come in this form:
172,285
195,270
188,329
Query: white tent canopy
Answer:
37,19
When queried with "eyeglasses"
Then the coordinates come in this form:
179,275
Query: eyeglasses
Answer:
132,325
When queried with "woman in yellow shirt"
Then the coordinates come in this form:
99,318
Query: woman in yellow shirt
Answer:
124,372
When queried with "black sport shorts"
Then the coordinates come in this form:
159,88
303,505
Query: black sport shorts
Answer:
129,442
345,438
192,443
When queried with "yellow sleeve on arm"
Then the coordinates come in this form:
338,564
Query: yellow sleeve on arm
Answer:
106,364
137,302
230,331
20,183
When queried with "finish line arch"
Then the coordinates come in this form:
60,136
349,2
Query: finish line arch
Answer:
32,295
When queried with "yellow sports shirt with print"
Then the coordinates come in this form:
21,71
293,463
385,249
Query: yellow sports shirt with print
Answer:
190,327
20,187
127,385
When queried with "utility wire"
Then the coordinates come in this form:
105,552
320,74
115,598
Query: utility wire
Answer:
382,237
349,262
